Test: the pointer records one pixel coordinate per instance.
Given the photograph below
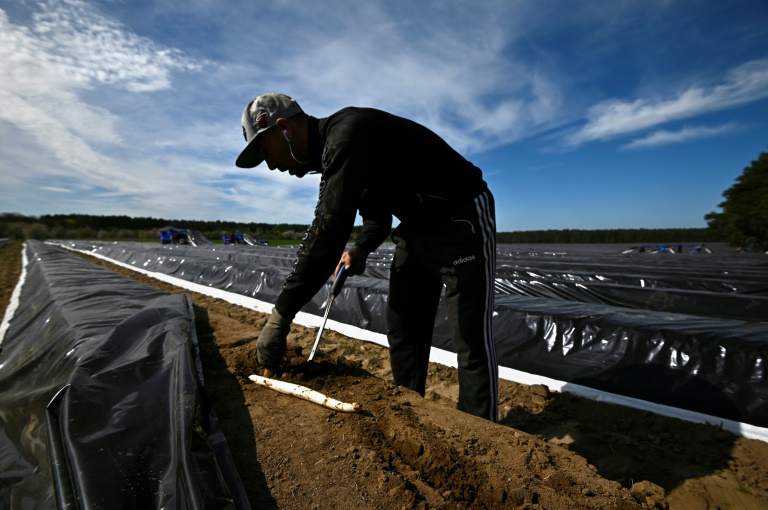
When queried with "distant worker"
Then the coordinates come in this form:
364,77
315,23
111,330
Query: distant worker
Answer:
380,165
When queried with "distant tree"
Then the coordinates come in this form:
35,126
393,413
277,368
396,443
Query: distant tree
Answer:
35,231
744,220
634,236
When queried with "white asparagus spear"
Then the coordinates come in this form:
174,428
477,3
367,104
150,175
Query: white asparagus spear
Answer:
306,394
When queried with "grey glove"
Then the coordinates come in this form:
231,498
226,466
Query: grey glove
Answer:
271,345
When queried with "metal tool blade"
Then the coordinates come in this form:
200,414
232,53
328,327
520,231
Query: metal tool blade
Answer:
335,289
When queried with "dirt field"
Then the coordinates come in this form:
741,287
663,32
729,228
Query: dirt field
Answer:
550,450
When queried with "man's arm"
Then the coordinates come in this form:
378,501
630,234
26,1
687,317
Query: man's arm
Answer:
318,253
376,228
374,233
341,188
322,244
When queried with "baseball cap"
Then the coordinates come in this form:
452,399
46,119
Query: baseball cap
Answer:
260,115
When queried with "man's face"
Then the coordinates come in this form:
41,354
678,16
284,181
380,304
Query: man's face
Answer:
276,152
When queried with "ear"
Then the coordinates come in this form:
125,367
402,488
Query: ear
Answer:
283,125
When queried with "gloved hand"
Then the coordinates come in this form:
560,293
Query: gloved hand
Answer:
271,345
354,258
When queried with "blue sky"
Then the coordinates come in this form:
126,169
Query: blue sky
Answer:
582,115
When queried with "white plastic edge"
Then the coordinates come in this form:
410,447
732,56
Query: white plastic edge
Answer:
10,310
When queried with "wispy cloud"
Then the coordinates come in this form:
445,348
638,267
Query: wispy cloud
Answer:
39,98
69,48
90,47
686,134
46,71
56,190
459,75
611,119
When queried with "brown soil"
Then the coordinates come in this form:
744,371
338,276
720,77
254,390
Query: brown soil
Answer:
550,450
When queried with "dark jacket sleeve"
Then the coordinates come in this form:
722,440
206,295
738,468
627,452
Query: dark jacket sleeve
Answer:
327,236
377,222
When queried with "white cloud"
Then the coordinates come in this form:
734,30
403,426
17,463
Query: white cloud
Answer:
90,47
457,74
686,134
610,119
45,72
37,97
65,152
55,189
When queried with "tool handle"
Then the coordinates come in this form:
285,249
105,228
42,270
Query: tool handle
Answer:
341,276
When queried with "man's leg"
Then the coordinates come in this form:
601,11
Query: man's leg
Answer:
469,280
412,303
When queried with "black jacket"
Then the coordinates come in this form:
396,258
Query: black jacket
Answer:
380,165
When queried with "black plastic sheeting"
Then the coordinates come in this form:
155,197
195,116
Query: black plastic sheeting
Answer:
711,366
731,286
686,330
102,403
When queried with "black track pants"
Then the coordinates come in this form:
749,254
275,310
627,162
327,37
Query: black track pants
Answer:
460,254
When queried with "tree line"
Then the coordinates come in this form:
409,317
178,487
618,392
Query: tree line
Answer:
631,236
83,226
744,217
